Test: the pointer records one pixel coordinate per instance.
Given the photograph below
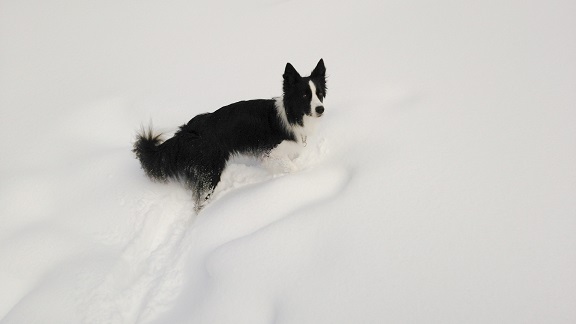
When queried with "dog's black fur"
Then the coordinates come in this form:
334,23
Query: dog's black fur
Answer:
198,152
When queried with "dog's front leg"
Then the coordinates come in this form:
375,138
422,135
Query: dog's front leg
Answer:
280,159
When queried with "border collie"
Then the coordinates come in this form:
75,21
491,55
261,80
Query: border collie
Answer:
267,128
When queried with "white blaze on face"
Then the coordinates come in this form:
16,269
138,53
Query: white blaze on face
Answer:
315,102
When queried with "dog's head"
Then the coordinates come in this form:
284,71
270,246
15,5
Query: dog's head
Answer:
304,96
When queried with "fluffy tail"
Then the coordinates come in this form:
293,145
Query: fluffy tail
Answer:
148,149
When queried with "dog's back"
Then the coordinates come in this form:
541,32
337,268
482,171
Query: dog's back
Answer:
242,127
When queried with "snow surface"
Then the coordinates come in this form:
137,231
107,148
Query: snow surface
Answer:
440,188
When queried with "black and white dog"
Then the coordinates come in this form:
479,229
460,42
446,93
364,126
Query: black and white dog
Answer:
268,128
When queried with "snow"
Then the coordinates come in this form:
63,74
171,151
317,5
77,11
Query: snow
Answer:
440,186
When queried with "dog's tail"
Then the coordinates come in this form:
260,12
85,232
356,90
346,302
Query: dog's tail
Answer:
149,150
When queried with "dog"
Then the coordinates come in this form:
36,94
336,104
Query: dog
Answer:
271,129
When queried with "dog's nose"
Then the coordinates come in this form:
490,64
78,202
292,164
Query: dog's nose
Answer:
319,110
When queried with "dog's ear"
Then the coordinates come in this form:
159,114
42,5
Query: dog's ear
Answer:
291,76
319,75
319,71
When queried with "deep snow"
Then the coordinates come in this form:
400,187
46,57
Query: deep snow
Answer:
440,187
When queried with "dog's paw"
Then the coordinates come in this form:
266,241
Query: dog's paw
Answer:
279,164
200,201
